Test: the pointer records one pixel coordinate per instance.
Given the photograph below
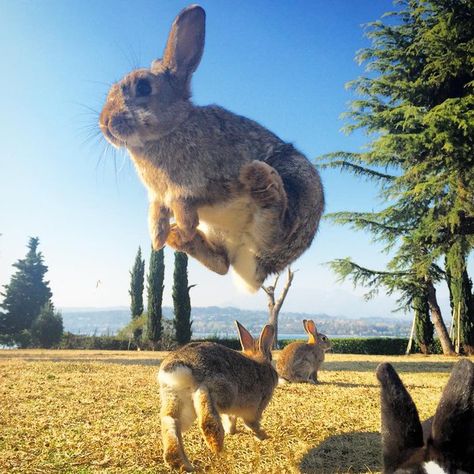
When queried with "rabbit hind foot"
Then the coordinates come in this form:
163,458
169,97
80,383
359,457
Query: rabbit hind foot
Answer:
211,256
265,186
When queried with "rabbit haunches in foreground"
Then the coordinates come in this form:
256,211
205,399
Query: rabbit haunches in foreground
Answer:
444,444
215,384
299,361
239,195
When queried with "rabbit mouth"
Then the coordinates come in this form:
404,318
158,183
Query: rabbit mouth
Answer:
118,129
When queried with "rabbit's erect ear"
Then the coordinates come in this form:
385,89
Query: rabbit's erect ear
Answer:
401,428
265,341
185,43
246,340
452,432
311,330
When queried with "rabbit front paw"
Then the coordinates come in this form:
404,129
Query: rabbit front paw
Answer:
160,234
187,219
158,224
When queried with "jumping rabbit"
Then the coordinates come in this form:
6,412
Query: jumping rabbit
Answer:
238,194
444,444
299,361
211,381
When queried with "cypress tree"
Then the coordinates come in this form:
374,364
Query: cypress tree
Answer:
137,283
25,295
181,300
156,274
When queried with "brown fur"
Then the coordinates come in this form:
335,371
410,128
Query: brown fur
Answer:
210,381
201,163
300,362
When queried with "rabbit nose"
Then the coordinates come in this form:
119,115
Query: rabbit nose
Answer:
119,124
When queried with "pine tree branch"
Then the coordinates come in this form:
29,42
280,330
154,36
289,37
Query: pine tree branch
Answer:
357,170
361,220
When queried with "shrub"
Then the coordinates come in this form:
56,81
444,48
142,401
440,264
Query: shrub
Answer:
47,328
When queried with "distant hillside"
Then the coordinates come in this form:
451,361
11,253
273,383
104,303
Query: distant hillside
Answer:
213,320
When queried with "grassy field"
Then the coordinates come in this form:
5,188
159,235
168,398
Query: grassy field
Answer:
89,412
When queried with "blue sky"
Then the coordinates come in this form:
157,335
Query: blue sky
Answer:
283,64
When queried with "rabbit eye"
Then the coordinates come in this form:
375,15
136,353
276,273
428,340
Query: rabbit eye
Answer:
143,88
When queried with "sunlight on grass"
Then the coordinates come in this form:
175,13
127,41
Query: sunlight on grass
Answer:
97,411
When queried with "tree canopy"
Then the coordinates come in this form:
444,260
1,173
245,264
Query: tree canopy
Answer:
416,105
25,295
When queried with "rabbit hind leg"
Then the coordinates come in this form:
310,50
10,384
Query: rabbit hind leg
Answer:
212,256
209,419
173,449
254,425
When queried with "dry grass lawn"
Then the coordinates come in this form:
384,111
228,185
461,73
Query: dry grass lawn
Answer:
90,412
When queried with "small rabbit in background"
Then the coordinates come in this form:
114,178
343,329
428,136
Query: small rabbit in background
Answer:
216,384
299,361
238,194
444,444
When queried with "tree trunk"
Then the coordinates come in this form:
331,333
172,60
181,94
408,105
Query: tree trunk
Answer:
438,322
425,350
273,320
274,307
412,332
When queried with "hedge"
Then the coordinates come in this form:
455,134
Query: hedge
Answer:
373,345
83,342
369,345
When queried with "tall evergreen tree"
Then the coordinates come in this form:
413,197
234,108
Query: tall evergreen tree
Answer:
417,104
156,274
25,295
137,283
181,300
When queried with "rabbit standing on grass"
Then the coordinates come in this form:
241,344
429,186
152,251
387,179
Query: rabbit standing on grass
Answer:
239,195
211,381
443,445
299,361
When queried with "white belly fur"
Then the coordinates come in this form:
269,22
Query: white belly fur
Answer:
234,225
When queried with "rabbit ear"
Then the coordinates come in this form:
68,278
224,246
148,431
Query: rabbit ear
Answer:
452,432
266,340
246,340
311,330
401,428
185,44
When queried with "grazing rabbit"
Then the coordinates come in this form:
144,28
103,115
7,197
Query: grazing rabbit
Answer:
446,445
299,361
238,194
208,380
